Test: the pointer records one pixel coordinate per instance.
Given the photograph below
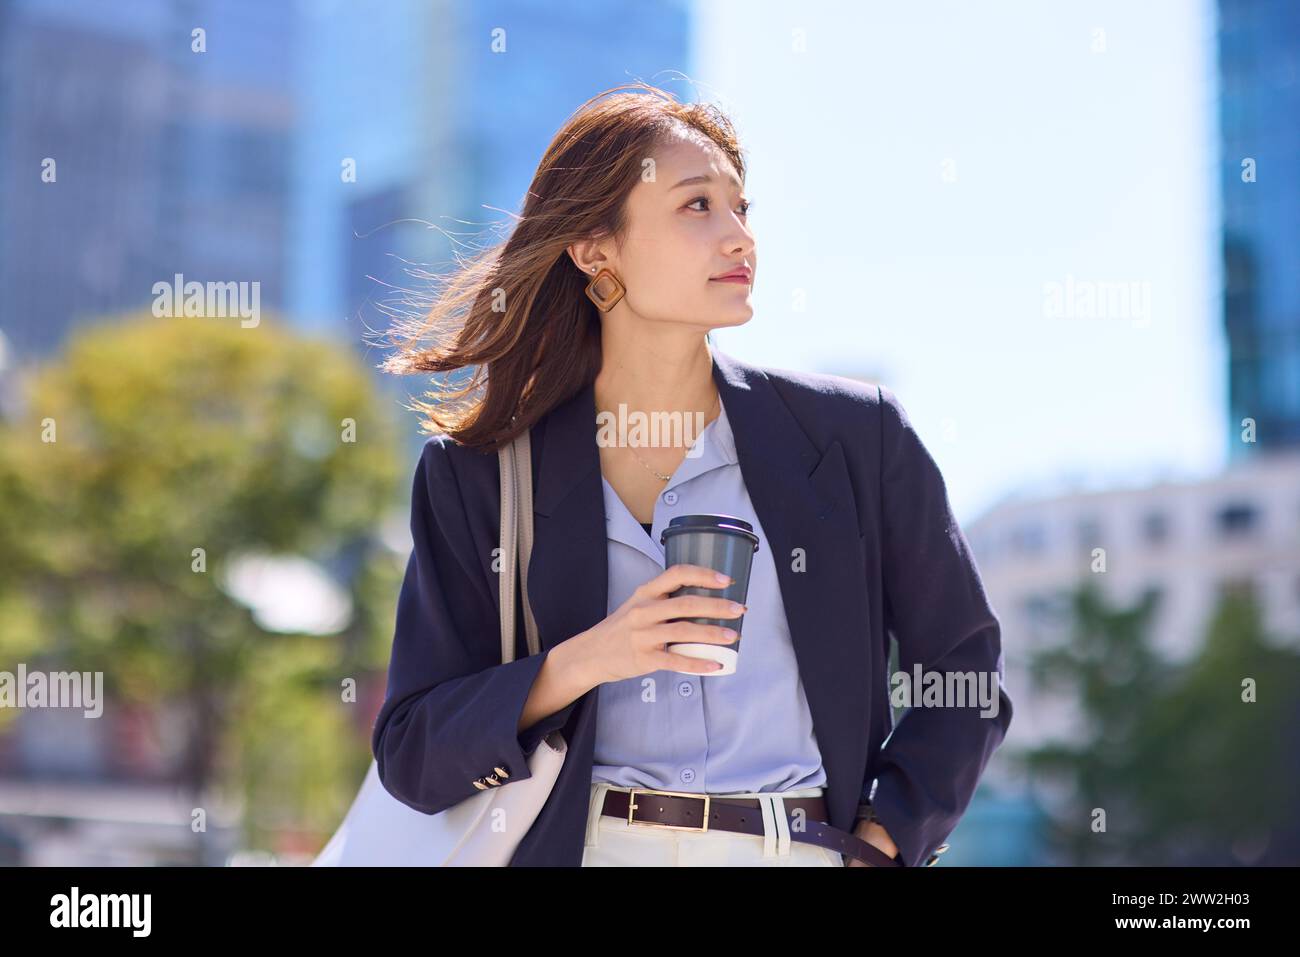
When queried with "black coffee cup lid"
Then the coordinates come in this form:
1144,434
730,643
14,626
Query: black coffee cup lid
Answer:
727,524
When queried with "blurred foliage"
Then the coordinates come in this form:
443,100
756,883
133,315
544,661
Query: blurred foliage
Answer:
1187,771
171,435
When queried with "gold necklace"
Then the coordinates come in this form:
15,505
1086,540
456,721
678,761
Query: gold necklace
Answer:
660,475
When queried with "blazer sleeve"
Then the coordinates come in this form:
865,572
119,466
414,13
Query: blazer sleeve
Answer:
936,608
451,709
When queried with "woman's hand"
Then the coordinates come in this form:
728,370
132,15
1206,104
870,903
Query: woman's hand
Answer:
631,641
876,836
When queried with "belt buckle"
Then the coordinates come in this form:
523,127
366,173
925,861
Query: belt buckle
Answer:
632,806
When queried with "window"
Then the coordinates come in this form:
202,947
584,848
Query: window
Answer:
1028,538
1236,519
1155,528
1088,534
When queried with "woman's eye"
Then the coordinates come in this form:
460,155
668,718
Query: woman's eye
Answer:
744,207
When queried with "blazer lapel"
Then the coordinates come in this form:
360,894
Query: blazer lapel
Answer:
568,581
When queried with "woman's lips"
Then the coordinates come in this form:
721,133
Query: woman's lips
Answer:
744,280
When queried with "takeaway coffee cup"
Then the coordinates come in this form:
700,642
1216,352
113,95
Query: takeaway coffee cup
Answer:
721,542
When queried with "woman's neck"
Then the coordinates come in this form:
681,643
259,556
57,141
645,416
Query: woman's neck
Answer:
663,375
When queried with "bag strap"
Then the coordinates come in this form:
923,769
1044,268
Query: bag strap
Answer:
524,514
515,464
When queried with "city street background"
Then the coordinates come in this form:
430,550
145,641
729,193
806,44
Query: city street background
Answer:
1066,235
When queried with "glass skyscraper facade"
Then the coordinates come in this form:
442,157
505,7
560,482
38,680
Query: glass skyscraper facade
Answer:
129,152
1259,128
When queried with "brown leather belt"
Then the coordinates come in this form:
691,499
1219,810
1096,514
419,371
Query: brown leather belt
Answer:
682,810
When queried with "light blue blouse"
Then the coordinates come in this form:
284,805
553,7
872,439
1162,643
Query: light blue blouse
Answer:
748,731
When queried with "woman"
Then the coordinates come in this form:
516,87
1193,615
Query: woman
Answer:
633,244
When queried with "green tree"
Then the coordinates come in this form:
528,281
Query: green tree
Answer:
150,456
1108,669
1184,768
1222,782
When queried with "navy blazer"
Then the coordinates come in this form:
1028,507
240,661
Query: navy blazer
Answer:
833,468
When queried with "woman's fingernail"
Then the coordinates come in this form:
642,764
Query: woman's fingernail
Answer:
724,579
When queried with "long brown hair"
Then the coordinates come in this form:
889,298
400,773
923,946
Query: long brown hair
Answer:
518,311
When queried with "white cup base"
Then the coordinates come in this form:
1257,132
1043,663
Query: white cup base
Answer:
691,649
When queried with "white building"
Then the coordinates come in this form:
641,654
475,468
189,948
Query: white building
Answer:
1187,540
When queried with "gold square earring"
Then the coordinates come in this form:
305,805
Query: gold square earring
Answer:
605,301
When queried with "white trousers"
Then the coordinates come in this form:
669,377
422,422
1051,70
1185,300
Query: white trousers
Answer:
612,842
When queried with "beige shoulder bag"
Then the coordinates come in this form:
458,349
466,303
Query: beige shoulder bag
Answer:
484,829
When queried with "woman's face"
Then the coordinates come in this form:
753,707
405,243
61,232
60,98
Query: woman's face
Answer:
682,236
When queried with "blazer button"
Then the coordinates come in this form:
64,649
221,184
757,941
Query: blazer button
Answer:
490,779
480,785
503,772
935,856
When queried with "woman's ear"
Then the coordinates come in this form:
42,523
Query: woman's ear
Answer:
586,253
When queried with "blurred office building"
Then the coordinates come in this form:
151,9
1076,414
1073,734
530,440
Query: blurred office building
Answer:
1259,100
1187,541
138,141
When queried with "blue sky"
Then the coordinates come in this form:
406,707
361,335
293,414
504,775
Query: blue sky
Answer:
921,171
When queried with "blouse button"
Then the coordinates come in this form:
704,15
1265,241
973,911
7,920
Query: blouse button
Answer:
670,498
